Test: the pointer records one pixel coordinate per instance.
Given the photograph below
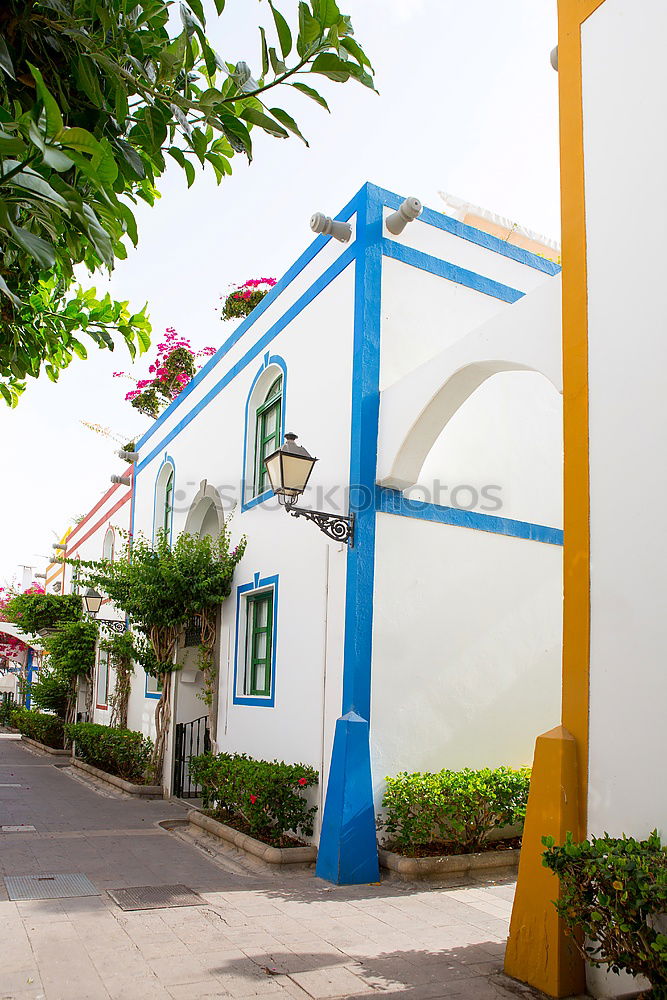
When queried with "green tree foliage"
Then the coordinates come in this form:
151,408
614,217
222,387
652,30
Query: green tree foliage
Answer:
51,691
71,649
613,899
160,588
95,95
35,613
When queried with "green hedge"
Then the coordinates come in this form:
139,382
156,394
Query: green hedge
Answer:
266,795
122,752
46,729
460,808
613,892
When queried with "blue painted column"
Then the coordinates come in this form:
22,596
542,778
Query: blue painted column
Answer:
347,852
28,678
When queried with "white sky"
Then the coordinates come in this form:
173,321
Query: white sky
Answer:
468,105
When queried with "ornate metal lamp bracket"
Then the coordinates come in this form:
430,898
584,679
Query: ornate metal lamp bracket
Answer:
339,529
112,624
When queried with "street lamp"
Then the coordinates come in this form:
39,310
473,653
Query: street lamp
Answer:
289,469
93,602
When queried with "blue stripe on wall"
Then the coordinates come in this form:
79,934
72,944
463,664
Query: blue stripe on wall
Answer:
325,278
393,502
297,267
443,269
482,239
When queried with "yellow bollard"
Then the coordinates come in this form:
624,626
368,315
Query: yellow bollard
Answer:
539,950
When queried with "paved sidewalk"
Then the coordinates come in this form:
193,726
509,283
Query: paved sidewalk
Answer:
259,933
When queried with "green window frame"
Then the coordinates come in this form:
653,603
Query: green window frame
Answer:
268,432
168,507
259,644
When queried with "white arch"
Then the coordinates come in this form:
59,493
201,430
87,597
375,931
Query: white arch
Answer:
206,515
414,411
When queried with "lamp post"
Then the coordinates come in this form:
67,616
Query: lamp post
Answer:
289,469
93,602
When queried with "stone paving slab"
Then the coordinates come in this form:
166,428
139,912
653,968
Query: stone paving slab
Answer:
257,935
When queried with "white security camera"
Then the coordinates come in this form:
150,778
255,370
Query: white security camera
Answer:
553,58
407,212
341,231
122,480
127,456
58,545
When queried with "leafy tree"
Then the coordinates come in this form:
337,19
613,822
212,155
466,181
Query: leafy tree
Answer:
94,96
123,651
51,691
160,588
35,613
71,649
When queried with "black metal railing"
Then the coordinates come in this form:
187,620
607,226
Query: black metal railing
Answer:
191,739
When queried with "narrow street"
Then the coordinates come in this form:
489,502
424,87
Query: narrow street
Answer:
255,933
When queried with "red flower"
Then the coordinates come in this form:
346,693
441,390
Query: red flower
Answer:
302,781
253,799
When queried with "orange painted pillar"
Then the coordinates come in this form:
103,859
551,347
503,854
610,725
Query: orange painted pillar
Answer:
539,950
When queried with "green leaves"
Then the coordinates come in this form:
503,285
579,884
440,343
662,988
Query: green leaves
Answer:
85,134
612,890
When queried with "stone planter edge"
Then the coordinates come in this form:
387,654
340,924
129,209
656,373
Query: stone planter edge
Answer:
272,855
144,791
448,864
43,747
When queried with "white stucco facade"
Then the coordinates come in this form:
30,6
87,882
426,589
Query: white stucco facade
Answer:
462,614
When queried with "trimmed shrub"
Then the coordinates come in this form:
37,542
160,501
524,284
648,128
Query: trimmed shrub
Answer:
614,896
7,706
267,796
46,729
459,808
122,752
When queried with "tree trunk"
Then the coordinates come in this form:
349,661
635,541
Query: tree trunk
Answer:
208,636
163,640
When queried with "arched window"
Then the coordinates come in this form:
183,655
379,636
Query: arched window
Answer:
168,504
108,546
163,510
268,432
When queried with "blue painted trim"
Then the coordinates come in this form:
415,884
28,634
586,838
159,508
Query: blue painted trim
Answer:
257,349
150,694
28,678
443,269
449,225
389,501
167,460
269,360
363,459
258,583
293,272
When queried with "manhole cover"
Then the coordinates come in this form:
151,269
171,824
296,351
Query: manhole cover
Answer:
154,897
49,886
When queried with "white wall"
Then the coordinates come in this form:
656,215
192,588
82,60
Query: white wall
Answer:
625,153
625,97
475,675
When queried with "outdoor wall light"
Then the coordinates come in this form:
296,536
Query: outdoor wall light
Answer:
93,602
127,456
341,231
407,212
289,470
122,480
59,545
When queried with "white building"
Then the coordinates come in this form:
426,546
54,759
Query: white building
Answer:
424,372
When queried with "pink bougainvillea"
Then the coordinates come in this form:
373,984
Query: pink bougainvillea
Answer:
243,298
173,368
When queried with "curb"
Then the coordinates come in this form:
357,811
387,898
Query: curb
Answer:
449,864
142,791
272,855
43,747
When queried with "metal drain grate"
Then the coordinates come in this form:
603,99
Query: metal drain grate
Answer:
154,897
49,886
